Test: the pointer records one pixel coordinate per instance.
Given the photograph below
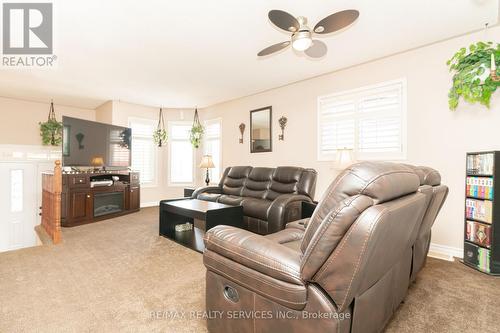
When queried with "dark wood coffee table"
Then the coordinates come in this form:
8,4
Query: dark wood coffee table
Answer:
180,211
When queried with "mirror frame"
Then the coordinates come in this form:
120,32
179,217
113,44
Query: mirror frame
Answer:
270,108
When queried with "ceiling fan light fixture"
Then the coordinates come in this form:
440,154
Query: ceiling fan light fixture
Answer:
302,40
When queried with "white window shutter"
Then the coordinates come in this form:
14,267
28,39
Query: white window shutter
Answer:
144,149
181,154
371,121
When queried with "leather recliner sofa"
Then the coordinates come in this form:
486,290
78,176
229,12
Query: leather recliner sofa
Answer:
346,269
270,197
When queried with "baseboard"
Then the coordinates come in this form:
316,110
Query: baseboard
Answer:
149,204
445,252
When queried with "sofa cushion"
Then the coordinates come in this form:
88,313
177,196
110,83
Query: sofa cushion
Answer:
208,196
256,207
232,200
235,179
257,183
285,180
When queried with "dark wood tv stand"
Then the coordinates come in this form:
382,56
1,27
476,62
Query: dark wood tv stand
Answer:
83,201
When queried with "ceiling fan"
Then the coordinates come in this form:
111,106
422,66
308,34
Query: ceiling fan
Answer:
301,38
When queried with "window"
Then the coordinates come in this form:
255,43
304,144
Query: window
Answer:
370,120
144,154
181,153
212,146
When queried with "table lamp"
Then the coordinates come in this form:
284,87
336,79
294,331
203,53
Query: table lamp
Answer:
97,162
207,163
344,158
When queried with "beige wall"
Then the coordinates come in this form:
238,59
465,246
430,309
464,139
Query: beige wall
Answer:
104,113
436,136
19,119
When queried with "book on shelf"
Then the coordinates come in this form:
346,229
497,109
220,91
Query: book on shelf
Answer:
478,233
484,259
480,210
480,187
480,164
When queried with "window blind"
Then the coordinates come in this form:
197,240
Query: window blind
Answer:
181,154
212,146
370,121
143,149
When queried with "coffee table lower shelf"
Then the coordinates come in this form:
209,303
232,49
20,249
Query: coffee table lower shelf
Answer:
202,214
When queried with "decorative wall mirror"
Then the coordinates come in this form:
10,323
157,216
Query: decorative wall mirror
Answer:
260,130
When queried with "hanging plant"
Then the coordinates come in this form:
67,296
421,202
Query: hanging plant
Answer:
471,79
160,135
51,130
197,130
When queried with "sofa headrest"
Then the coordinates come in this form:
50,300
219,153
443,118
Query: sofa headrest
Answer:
287,174
381,181
428,176
239,171
431,176
260,174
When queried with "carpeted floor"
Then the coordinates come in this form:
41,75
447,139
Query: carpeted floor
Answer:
120,276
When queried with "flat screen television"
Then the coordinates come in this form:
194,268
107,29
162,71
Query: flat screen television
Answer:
89,143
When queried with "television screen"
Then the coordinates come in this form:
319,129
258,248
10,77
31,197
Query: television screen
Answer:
89,143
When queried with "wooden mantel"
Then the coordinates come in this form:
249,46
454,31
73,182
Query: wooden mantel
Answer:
51,202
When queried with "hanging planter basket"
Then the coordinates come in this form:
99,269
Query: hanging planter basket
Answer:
196,132
160,135
51,130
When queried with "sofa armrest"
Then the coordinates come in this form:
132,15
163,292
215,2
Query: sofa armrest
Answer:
256,252
285,208
298,224
206,189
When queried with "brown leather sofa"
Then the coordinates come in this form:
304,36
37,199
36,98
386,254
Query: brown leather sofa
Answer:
346,269
270,197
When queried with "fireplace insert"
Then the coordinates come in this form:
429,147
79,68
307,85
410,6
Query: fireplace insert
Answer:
108,203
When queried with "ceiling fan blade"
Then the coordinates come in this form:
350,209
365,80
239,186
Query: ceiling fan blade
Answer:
336,21
273,48
317,49
283,20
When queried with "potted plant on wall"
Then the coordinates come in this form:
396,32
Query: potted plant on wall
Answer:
472,79
197,130
51,130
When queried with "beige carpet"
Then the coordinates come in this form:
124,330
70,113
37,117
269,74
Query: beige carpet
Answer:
112,275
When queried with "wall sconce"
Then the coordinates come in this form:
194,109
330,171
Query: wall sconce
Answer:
282,121
242,131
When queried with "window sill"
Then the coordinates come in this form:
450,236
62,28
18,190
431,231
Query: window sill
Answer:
181,184
149,185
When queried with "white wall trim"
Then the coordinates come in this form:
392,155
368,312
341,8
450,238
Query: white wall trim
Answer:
150,204
445,252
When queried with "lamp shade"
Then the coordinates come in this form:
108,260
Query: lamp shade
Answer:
344,158
207,162
97,161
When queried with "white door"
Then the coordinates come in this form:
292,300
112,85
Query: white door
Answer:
18,205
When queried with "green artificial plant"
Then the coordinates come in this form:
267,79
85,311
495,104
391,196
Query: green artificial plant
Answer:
51,130
471,79
197,131
160,135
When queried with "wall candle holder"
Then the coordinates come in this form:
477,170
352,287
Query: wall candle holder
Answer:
242,131
282,121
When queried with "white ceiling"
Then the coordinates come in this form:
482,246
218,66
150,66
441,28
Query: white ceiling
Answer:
201,52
